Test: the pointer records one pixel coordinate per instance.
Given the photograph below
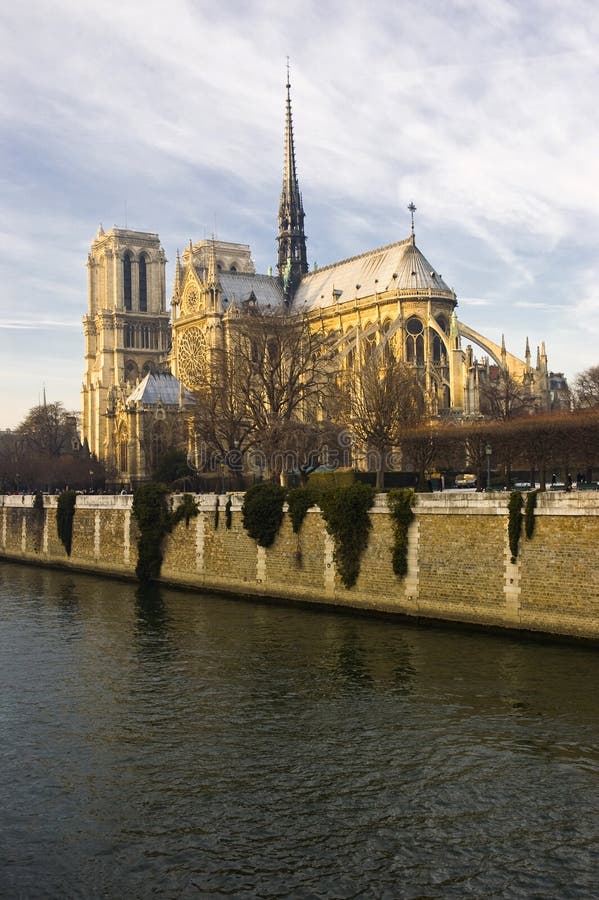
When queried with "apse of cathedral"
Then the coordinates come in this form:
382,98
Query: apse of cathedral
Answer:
143,365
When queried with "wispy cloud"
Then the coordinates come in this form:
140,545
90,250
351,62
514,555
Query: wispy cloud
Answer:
475,301
37,324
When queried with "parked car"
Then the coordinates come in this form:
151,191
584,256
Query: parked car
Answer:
466,480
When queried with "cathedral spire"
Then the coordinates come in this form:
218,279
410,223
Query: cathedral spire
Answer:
292,260
212,279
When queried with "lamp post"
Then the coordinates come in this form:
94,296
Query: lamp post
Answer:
488,452
91,481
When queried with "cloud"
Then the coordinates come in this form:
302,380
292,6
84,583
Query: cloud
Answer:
37,324
475,301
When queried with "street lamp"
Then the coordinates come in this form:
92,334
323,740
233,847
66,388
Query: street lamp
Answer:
488,452
91,481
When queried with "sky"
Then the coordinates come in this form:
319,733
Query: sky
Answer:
170,119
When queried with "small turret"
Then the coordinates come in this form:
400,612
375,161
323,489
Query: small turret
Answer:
211,283
211,278
178,278
454,332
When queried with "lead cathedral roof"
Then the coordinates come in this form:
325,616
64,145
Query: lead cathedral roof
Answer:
399,266
237,287
159,387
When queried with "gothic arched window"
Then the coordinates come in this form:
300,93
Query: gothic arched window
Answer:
369,345
131,372
143,284
388,354
127,279
123,455
350,359
414,341
158,443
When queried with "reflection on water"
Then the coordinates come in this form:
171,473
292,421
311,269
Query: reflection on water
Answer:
178,745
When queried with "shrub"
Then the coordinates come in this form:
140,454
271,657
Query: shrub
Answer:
65,514
228,514
529,513
187,509
299,501
38,520
262,512
345,511
515,522
155,520
400,504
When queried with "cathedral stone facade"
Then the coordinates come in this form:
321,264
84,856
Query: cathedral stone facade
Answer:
142,364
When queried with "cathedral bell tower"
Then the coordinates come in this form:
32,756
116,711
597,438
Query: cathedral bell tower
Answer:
126,327
292,261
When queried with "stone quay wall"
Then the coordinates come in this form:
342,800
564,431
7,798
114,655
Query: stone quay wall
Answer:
459,562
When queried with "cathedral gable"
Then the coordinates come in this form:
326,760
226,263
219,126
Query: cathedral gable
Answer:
191,295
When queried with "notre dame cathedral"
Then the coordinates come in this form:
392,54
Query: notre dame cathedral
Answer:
142,363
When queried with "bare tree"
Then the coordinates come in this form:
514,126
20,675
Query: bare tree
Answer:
44,453
381,401
50,429
220,418
270,379
586,388
290,366
505,398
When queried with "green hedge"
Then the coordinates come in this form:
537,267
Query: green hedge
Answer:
326,481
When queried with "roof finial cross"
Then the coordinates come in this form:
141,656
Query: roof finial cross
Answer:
412,209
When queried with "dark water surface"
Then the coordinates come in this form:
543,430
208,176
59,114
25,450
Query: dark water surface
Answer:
165,744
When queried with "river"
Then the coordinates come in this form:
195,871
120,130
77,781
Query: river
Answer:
158,743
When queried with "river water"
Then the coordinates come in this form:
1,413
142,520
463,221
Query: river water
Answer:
170,744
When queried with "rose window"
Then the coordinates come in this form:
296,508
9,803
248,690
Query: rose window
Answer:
192,301
192,357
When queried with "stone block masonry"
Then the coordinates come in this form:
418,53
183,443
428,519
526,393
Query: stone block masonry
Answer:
459,563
